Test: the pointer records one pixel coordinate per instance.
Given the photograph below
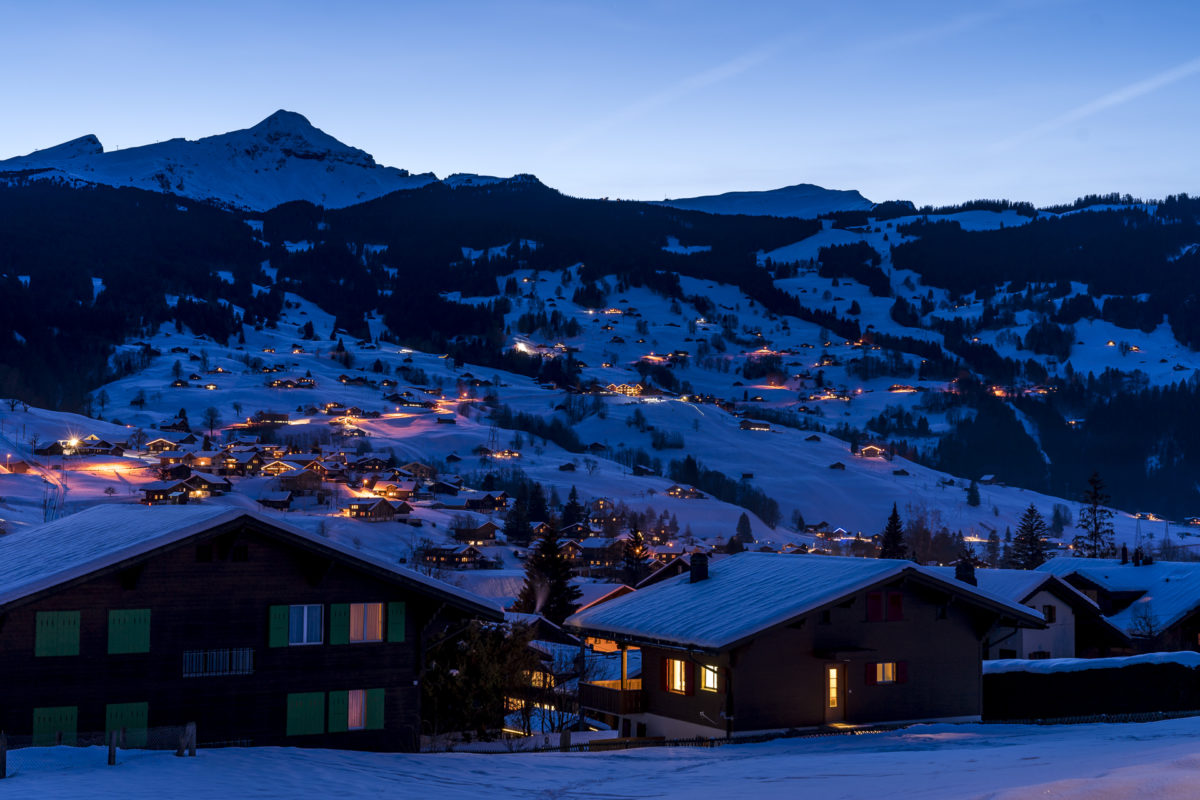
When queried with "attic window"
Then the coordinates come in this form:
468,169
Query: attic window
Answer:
1049,612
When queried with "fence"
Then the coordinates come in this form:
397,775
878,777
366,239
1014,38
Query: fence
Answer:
571,745
30,753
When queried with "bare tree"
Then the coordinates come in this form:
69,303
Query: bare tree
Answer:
212,419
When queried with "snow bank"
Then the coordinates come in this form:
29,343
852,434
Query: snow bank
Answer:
1051,665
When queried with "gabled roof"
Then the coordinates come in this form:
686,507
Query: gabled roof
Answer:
39,558
1169,590
749,593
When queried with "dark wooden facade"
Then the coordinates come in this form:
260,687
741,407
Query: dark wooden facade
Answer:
780,678
211,644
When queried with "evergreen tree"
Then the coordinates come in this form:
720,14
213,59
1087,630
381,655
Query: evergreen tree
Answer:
635,560
734,546
891,544
973,494
744,532
1006,555
572,511
1095,520
516,525
536,510
548,588
1029,545
993,549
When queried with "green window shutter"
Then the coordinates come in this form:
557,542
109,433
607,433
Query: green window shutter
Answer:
395,622
48,723
129,630
305,713
339,711
375,709
278,636
339,623
56,633
130,717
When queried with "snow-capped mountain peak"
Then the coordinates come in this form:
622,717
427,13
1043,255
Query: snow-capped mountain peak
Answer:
279,160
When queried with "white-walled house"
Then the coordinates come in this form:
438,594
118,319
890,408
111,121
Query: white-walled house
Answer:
1075,626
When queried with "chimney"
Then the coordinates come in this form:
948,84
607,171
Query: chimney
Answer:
699,567
964,571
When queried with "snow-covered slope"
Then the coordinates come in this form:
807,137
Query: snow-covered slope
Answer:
281,159
804,200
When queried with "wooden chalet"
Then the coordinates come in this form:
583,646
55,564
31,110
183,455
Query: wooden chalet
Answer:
372,509
394,490
454,556
130,618
416,469
479,536
301,482
277,500
762,642
685,492
753,425
874,450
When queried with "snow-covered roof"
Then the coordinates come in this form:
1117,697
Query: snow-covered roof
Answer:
751,592
41,557
1170,590
1017,585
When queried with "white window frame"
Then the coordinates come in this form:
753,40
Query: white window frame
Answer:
305,610
361,629
708,678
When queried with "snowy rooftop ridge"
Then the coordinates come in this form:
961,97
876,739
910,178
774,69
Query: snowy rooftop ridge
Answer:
1170,590
751,592
45,556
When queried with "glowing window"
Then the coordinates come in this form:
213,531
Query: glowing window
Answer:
677,676
708,678
833,687
885,672
366,622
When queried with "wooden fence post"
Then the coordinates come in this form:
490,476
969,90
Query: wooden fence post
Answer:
112,748
190,732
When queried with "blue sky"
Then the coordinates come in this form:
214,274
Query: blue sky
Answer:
930,101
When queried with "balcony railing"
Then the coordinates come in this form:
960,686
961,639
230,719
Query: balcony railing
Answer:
609,697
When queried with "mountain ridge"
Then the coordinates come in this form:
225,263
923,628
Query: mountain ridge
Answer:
802,200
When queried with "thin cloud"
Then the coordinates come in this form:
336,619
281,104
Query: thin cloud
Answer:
1111,100
690,85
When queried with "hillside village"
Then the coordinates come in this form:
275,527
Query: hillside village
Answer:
734,479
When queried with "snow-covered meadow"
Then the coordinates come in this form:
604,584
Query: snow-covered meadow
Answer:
1151,761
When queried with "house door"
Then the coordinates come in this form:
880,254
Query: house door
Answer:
835,693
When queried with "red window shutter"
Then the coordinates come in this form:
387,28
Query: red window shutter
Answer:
871,674
895,609
689,679
874,606
901,672
663,675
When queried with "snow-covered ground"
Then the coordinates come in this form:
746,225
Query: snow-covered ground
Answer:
1150,761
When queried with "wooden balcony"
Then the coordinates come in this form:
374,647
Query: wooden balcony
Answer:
609,697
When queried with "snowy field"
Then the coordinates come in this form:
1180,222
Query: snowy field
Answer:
1151,761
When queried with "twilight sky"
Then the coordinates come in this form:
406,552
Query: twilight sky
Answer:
930,101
